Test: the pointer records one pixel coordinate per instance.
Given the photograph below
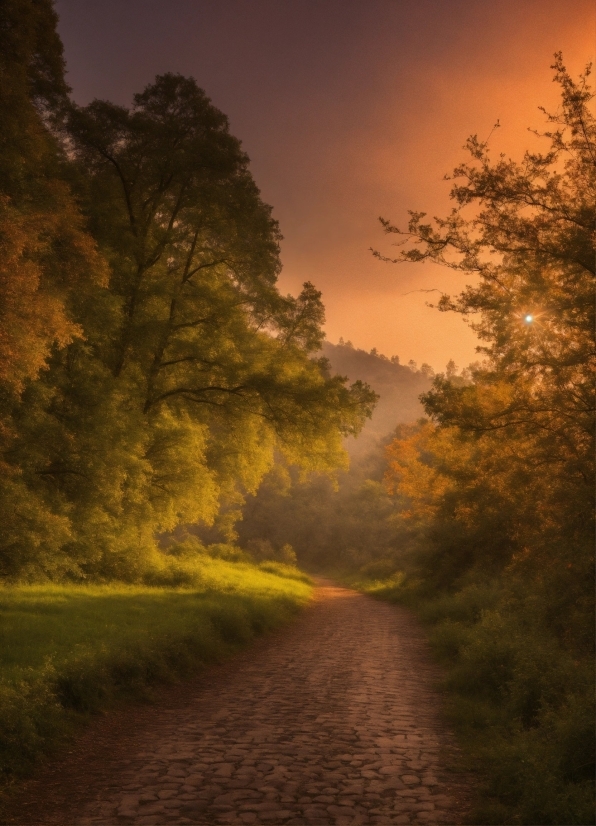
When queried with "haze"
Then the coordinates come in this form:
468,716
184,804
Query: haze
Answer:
348,110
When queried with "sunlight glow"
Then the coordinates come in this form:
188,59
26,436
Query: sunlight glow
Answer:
529,318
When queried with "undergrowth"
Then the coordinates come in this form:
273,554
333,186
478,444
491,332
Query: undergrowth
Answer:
520,697
69,650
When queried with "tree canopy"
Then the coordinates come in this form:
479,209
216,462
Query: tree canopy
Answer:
44,249
525,232
150,366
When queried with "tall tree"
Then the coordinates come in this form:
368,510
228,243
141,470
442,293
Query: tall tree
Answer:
44,249
195,258
525,232
506,481
46,255
149,367
192,368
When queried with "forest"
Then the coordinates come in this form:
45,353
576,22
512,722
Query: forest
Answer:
171,422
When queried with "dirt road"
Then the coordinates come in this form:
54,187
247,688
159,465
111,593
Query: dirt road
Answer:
333,720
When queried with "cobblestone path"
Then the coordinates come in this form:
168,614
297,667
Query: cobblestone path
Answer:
333,720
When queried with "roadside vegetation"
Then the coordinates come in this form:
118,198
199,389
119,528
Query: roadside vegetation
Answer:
69,650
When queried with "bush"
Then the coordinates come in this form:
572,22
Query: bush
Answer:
283,570
262,550
379,569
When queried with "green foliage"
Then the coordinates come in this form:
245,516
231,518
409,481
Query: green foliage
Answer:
149,366
261,550
284,569
68,650
325,521
345,519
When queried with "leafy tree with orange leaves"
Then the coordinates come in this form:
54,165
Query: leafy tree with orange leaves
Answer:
527,239
45,251
46,257
496,492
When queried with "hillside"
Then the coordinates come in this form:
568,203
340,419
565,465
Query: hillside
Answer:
397,385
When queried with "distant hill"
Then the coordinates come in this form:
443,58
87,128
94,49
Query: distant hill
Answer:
398,386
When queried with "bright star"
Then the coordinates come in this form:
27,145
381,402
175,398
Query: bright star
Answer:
529,318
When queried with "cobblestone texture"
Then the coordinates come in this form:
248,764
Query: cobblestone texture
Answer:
334,720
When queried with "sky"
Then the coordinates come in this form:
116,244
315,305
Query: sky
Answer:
349,110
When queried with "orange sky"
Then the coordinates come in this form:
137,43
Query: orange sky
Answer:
349,109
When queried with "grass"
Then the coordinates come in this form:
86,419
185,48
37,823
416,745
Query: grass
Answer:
67,651
520,700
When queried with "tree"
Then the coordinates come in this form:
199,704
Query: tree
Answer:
529,244
190,368
46,255
502,479
195,257
44,248
149,366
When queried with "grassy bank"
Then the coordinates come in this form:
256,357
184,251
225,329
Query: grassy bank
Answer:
69,650
520,698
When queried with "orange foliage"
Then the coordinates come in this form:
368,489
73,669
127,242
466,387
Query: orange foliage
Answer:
43,255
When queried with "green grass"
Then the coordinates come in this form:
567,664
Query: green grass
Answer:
70,650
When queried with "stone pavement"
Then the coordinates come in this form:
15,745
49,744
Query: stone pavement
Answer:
333,720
